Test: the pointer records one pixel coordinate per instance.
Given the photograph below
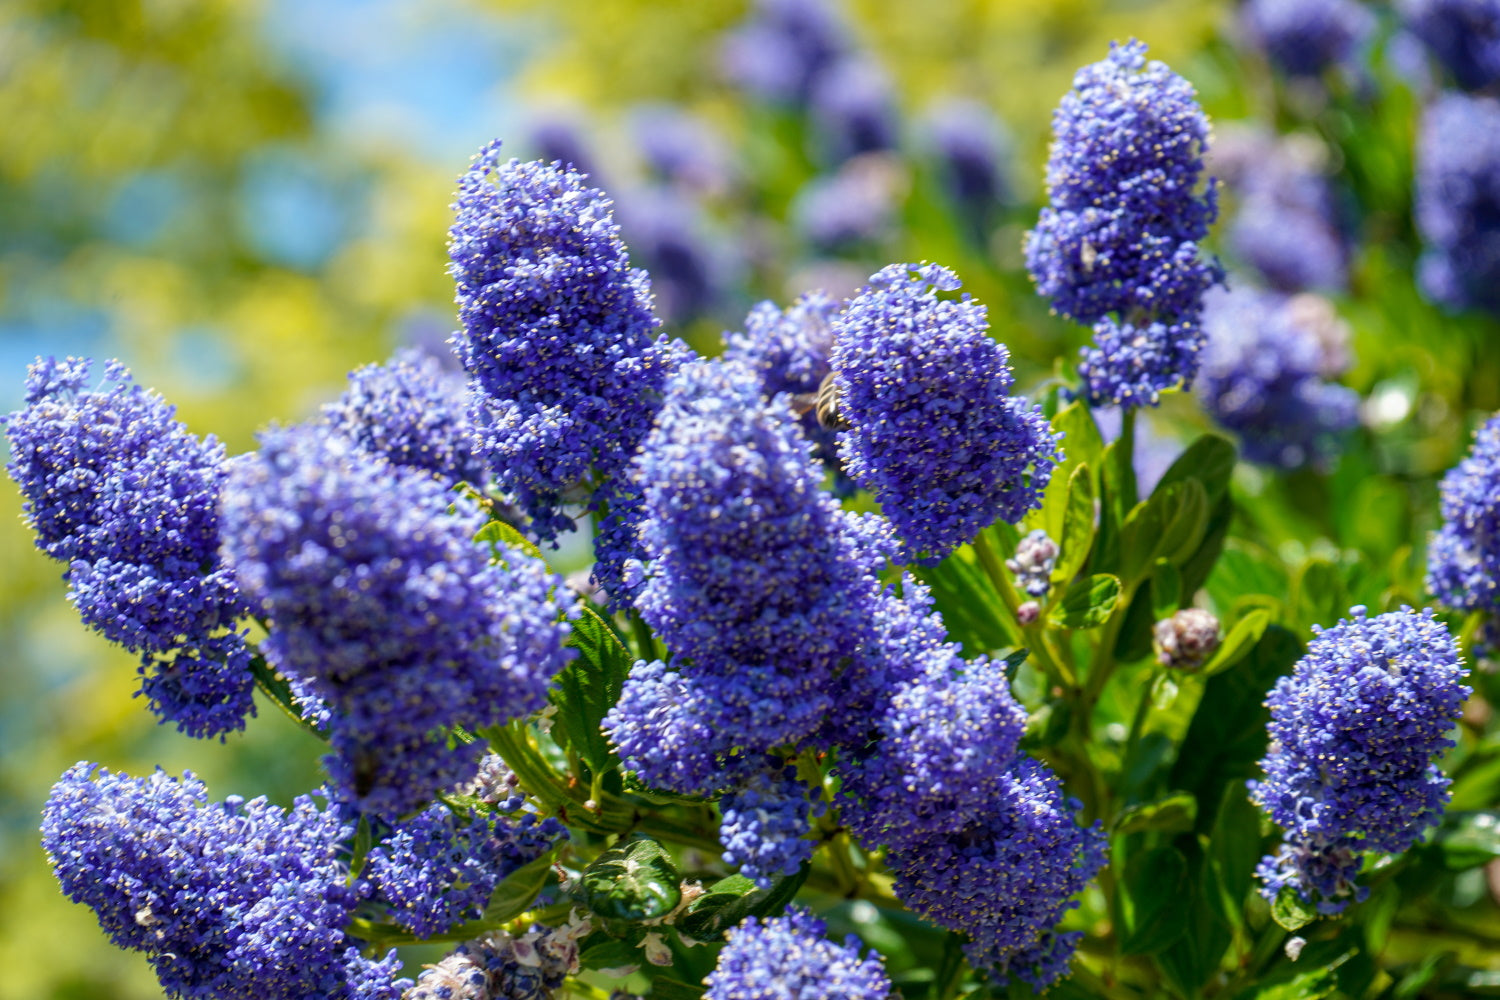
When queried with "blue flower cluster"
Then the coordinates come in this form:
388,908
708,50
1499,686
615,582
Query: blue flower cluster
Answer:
435,869
1354,730
1458,202
1463,561
1286,226
1464,35
1306,37
411,411
1117,248
230,901
750,583
783,49
382,605
764,819
1263,378
934,433
788,958
559,340
789,349
119,490
1006,880
971,146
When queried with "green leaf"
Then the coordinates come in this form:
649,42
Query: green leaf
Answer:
1238,643
1013,663
502,536
634,882
586,689
1313,984
1077,536
1081,445
732,899
610,953
973,612
1210,460
1175,813
1166,590
1468,840
1151,901
1168,526
518,890
1087,603
1231,855
667,988
1290,912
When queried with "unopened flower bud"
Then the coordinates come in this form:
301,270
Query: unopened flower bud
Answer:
1187,639
1033,562
1028,613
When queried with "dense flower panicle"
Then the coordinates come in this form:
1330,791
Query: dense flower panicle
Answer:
1120,235
1458,202
500,966
853,111
558,337
120,491
382,605
1007,880
666,729
1354,730
946,742
783,48
1306,37
1464,35
749,574
1463,561
228,900
412,411
1263,378
789,349
435,870
788,958
765,823
1287,226
935,434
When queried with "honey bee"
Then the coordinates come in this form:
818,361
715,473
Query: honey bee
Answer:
826,405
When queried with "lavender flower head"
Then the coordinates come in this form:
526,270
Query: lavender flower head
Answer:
854,205
230,901
788,958
853,111
1306,37
1007,880
120,491
411,411
972,146
750,581
1464,35
934,433
1463,562
1354,730
682,148
1263,378
765,823
783,48
558,336
435,869
383,606
1035,557
1458,202
1286,225
1117,248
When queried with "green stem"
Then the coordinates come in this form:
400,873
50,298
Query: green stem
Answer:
1035,635
1103,665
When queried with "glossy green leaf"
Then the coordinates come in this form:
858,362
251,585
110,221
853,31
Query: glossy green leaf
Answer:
1087,603
611,953
586,689
1151,901
1175,813
667,988
1168,526
1231,855
1163,692
1238,643
1081,445
1290,912
1210,460
1166,590
518,890
973,612
1047,726
1077,536
1468,840
636,881
732,899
